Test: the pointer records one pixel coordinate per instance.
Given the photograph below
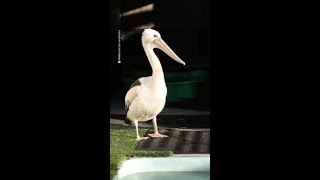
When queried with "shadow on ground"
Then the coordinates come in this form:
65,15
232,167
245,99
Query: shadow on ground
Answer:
180,141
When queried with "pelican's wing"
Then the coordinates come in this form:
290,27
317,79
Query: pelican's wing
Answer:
134,91
131,95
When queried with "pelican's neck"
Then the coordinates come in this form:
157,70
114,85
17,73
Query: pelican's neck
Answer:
157,71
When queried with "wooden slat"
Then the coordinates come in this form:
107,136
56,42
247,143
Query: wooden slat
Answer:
127,5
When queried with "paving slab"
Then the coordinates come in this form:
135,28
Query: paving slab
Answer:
180,141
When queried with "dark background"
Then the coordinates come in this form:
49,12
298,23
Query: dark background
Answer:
185,26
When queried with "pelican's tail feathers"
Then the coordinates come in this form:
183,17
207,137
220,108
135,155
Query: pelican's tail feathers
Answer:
128,121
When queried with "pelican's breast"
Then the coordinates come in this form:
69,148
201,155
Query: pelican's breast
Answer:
149,103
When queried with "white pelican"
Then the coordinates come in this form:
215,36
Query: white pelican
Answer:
147,95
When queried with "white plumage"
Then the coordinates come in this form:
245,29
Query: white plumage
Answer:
147,96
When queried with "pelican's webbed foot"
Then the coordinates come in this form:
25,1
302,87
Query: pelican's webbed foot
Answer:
157,135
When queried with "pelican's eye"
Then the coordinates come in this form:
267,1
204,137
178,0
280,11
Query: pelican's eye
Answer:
155,36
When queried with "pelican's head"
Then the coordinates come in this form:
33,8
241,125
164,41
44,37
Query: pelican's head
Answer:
153,38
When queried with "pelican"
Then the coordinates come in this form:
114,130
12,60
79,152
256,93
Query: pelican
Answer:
147,95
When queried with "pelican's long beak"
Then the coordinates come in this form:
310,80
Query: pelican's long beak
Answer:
165,48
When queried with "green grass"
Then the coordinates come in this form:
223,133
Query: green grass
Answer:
122,147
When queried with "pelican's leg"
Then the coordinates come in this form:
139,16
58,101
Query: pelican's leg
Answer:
138,137
156,132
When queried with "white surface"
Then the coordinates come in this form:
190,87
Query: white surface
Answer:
138,165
